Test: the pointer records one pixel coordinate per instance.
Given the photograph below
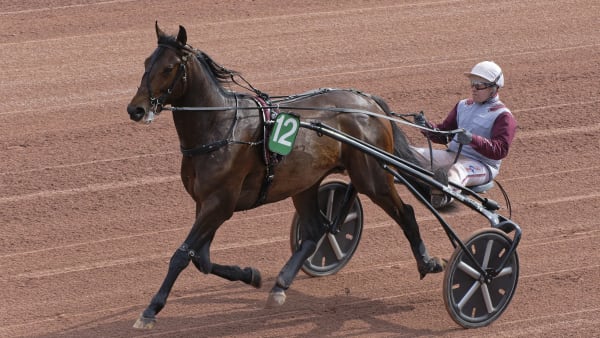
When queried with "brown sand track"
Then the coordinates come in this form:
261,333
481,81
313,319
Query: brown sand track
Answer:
91,206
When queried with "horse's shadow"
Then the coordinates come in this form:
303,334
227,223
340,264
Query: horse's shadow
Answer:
238,312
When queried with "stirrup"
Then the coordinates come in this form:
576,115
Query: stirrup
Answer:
440,201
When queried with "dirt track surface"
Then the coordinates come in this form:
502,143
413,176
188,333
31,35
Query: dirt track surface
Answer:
91,205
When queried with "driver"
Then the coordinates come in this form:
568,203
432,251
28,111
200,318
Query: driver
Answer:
489,128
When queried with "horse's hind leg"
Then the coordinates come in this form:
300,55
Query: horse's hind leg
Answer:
425,263
312,229
385,196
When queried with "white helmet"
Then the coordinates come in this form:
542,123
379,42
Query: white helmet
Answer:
489,71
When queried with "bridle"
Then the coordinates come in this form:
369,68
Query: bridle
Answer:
157,103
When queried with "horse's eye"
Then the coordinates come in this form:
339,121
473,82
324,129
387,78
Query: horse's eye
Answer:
168,69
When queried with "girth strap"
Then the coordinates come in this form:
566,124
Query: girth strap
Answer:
269,157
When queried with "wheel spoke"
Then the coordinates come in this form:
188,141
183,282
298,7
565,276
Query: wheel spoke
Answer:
319,243
335,246
464,267
469,294
505,272
488,252
330,198
487,299
352,216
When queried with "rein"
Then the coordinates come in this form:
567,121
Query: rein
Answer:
395,117
157,104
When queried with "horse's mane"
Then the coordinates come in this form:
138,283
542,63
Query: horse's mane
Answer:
220,73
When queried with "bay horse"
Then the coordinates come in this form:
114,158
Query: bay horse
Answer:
224,170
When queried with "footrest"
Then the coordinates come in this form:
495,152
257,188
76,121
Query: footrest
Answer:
482,187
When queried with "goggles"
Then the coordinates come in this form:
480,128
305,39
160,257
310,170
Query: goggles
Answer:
481,85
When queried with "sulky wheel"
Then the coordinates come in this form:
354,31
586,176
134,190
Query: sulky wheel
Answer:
470,300
333,251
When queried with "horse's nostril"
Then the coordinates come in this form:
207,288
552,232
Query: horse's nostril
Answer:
132,109
135,113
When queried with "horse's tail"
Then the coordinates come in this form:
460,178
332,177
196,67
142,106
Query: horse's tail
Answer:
402,147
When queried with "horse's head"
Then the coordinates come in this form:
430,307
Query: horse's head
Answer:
164,76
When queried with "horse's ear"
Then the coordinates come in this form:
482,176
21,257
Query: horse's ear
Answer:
182,35
159,32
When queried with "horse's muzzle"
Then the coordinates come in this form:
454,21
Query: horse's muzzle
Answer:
136,113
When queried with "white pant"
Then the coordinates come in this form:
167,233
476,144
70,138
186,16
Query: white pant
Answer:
466,171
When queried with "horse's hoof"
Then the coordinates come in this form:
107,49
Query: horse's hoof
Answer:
255,279
276,298
434,265
144,323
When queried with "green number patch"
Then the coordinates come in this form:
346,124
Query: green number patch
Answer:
284,133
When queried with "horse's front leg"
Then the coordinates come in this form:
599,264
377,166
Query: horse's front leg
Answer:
208,220
179,261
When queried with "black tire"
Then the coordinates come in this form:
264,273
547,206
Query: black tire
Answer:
470,301
333,251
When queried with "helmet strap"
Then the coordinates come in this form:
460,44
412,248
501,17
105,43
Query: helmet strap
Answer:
492,95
